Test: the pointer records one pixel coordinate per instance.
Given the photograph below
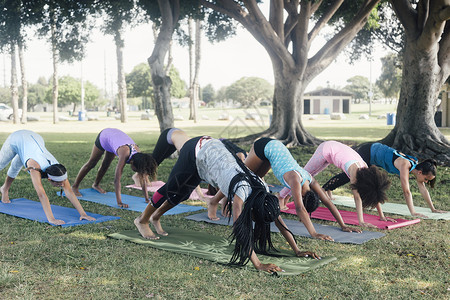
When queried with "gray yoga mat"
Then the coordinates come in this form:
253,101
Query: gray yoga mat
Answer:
395,208
299,229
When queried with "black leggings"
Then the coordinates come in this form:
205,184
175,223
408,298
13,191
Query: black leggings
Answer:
163,149
342,178
259,146
183,178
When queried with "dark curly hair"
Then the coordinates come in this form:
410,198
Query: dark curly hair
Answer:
371,184
311,201
145,164
54,170
428,166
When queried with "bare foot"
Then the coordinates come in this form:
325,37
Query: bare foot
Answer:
145,230
98,189
330,195
212,210
5,196
284,208
76,191
158,227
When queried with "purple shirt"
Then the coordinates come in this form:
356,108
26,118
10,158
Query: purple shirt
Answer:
111,139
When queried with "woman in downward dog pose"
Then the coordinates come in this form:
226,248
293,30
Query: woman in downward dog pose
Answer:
368,184
395,162
25,148
209,159
268,153
117,143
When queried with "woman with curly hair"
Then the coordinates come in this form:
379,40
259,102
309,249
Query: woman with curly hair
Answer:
204,158
117,143
398,163
368,184
25,148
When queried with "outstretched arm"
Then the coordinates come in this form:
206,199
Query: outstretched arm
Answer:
330,205
123,153
426,195
404,181
75,202
291,241
37,184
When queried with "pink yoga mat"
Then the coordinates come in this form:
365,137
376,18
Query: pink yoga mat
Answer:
155,185
351,217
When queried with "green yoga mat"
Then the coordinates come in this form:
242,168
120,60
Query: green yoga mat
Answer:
395,208
218,249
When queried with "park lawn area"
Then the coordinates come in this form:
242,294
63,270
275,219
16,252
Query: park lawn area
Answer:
38,261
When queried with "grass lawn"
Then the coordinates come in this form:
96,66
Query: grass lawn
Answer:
38,261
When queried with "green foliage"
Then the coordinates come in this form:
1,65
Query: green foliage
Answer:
37,92
139,81
69,92
208,93
360,87
249,90
390,79
178,88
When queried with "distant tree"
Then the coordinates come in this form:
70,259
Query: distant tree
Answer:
139,83
178,89
70,93
391,76
37,93
359,86
249,90
208,93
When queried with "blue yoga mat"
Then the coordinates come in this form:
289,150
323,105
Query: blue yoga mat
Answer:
32,210
299,229
134,203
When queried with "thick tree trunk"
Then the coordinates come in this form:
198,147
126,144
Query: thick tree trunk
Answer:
14,87
121,83
24,85
55,57
286,124
162,82
415,131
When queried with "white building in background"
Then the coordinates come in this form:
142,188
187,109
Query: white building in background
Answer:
326,101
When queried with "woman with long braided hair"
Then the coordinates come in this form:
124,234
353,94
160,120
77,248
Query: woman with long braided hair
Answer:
204,158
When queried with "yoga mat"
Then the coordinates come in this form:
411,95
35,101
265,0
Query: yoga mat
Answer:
351,217
273,188
134,203
32,210
299,229
218,249
395,208
155,185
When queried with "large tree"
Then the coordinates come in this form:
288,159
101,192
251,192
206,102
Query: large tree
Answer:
287,36
426,67
119,14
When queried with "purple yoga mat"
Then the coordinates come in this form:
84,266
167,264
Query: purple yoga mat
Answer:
350,217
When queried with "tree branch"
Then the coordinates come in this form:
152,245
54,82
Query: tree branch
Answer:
423,11
334,46
324,19
434,25
226,7
444,51
407,15
276,17
300,37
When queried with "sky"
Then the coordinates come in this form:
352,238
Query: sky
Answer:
221,63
